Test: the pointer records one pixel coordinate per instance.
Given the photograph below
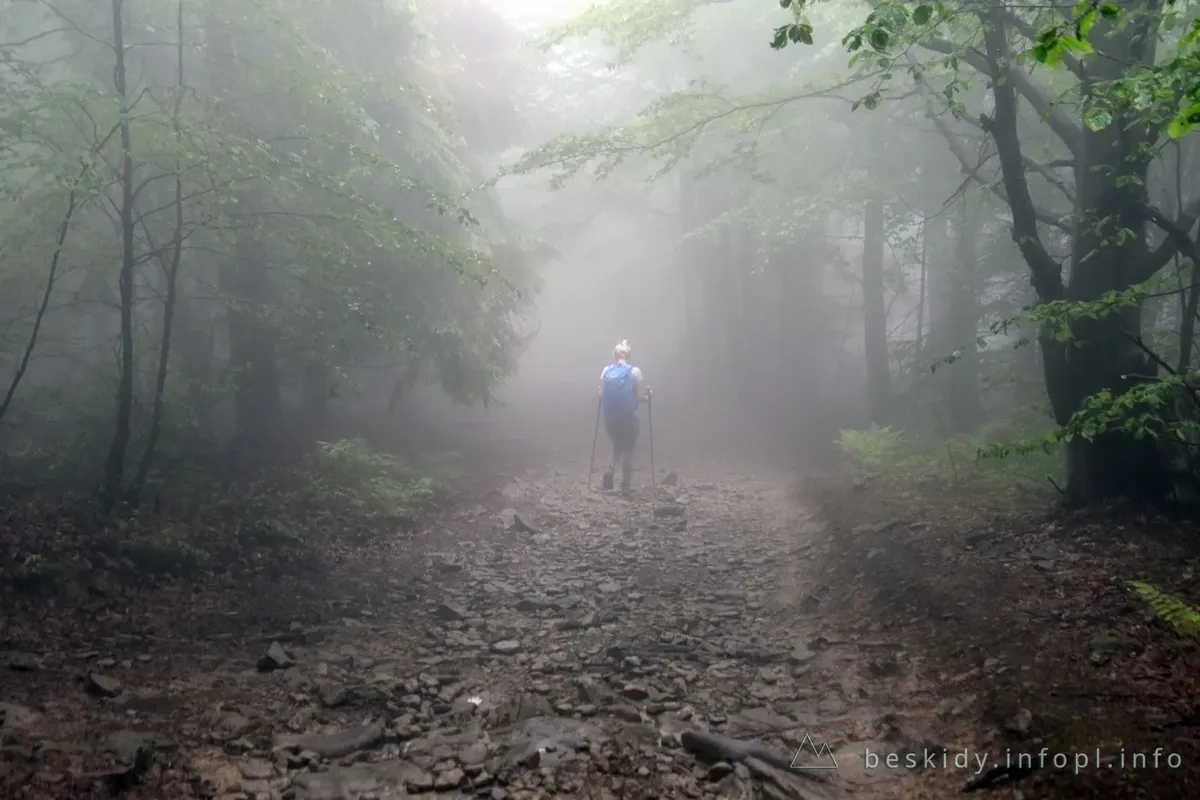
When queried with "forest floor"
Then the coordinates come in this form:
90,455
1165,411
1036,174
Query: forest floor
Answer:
539,639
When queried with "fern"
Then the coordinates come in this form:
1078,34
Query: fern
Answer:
1179,615
874,448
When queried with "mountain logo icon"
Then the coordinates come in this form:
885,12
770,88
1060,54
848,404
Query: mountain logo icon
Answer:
823,754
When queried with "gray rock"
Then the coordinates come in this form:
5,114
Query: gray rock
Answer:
103,686
333,745
255,769
275,658
635,691
333,695
450,612
232,725
14,717
801,655
546,741
448,780
19,661
475,754
384,780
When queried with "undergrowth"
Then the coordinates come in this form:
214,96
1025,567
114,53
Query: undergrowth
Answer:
954,460
1183,618
215,519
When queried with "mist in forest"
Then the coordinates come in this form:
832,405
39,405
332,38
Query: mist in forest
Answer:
307,485
234,229
734,361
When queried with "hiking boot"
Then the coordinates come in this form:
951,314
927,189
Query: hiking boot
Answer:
607,481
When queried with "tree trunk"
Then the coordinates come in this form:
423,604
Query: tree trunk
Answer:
1110,181
252,351
1109,253
171,275
962,380
316,395
247,288
114,465
875,313
937,282
693,293
923,292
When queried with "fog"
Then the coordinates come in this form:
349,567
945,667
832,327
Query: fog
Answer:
325,469
621,271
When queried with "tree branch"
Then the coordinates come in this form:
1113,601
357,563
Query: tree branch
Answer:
1045,170
1066,130
1045,272
1178,239
51,278
972,171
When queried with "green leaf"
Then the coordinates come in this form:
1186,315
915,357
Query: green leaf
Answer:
1179,127
801,33
1097,119
879,39
1085,24
780,39
1109,10
1185,122
922,14
1076,44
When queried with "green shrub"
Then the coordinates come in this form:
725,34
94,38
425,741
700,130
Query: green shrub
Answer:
955,459
348,478
209,519
167,550
875,448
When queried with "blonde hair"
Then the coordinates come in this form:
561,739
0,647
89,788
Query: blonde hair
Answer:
622,350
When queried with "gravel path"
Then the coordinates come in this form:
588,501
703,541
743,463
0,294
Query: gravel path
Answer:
537,639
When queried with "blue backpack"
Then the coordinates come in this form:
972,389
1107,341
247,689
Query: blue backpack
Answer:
619,399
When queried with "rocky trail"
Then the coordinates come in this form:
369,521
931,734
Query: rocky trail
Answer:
541,640
538,639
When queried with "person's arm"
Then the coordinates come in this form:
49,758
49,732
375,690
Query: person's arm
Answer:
600,388
639,387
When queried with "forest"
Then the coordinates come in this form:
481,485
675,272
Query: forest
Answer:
302,307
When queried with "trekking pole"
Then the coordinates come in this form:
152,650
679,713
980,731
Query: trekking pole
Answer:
595,437
650,419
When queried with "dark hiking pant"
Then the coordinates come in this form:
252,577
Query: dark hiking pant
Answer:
624,436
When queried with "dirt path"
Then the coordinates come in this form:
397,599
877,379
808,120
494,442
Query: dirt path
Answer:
534,640
536,637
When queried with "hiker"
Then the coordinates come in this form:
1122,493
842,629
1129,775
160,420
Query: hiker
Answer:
620,395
